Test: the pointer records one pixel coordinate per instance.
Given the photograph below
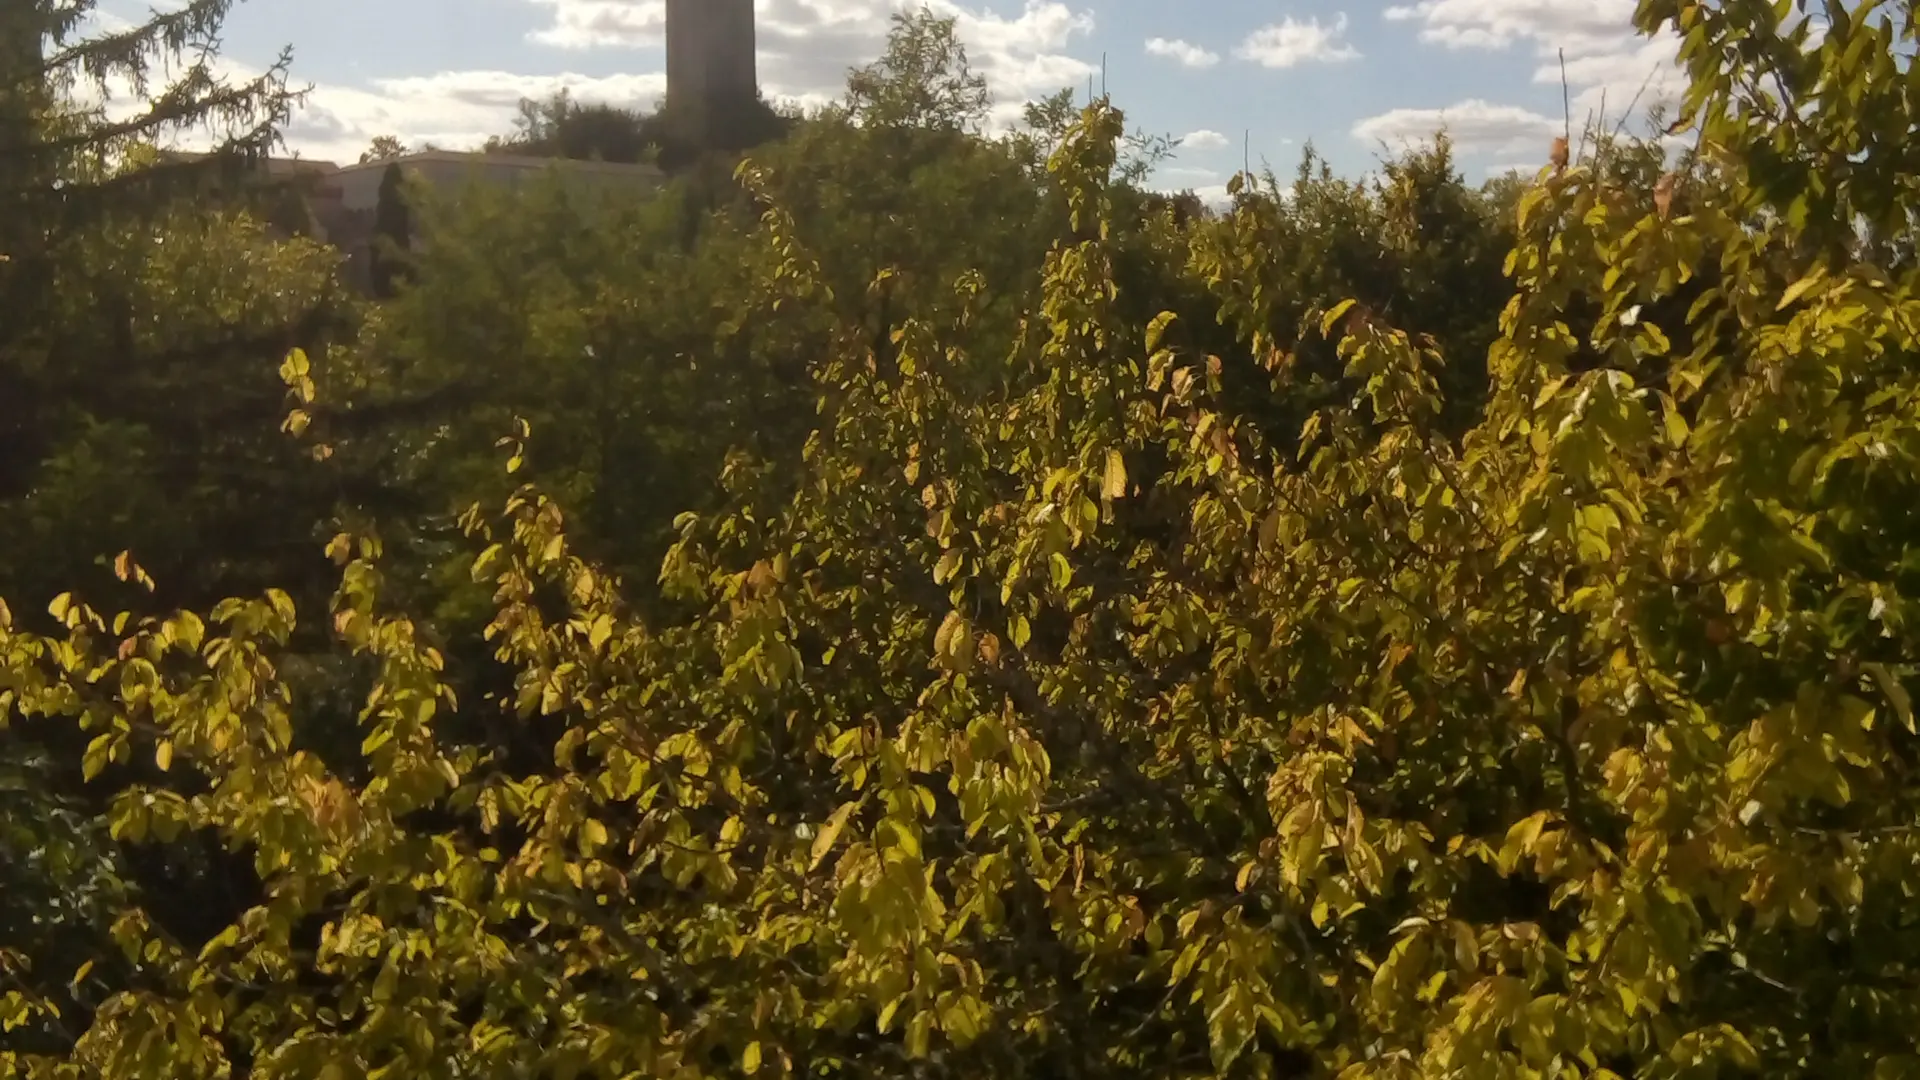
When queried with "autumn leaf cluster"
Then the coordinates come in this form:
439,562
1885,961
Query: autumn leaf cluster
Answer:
1127,641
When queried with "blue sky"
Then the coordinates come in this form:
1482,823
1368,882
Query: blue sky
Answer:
1348,76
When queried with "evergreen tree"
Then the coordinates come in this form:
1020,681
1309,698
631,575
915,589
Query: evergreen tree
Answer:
68,156
392,233
68,165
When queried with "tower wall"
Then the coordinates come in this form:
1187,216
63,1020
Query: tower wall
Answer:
710,52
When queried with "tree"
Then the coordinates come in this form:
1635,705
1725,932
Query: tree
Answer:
146,314
384,148
68,169
392,233
587,131
57,163
1049,718
923,80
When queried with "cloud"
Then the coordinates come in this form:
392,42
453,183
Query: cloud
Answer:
1204,139
1636,75
454,109
806,47
1474,126
1606,58
1578,26
1292,42
584,24
1187,53
1214,195
1608,69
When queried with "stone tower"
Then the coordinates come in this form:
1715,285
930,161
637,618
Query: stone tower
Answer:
710,55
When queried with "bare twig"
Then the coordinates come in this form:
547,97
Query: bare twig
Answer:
1566,96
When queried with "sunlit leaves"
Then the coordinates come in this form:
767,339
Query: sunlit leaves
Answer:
1047,713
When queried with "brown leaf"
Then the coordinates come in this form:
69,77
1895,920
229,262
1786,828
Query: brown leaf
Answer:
1559,156
760,579
1663,196
990,650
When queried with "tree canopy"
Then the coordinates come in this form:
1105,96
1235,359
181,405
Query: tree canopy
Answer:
931,608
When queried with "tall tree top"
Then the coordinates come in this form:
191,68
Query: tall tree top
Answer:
81,92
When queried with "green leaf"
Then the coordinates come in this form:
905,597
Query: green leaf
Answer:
1895,691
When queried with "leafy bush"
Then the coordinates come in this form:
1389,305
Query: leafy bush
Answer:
1058,707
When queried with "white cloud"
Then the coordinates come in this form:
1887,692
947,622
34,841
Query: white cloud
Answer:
1605,56
1474,126
583,24
1185,52
1292,42
806,47
1636,75
1578,26
1214,195
1611,72
1204,139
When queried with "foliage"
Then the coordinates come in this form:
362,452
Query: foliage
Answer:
61,140
383,148
90,287
923,81
565,128
677,137
392,231
1245,645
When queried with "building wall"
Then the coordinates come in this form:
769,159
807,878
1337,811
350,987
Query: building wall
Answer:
358,186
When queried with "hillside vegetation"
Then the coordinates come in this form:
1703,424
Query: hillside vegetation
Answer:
910,602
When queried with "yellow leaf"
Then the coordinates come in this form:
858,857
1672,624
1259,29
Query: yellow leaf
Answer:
1799,289
1114,486
593,833
163,755
1157,329
1333,316
1521,840
340,549
750,1061
953,643
830,832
